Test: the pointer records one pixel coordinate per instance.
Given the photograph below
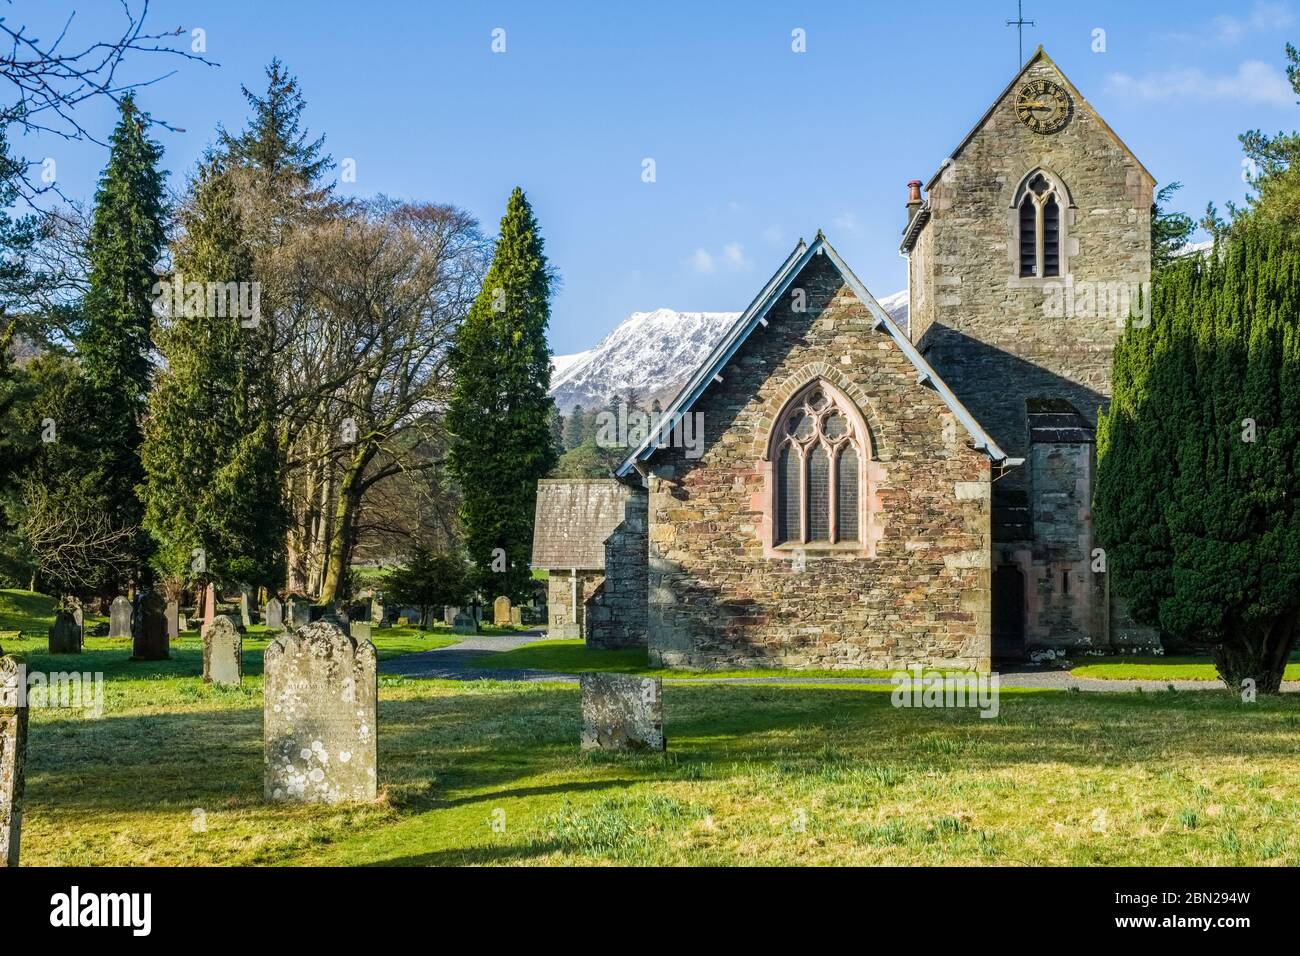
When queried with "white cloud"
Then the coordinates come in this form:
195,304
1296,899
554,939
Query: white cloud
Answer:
1254,82
1266,16
848,222
734,255
703,262
772,234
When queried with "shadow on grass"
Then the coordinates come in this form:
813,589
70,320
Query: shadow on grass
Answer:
454,749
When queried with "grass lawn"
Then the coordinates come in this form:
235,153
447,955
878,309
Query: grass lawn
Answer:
489,772
755,774
573,657
1162,668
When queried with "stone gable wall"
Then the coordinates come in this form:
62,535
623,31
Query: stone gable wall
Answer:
986,329
717,599
991,334
616,614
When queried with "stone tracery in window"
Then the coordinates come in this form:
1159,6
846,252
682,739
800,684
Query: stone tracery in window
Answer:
818,451
1041,203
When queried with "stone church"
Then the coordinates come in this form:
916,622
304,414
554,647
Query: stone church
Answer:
873,496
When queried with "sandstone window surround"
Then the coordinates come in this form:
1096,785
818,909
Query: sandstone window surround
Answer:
818,454
1041,213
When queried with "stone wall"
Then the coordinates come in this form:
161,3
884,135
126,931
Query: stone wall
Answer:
616,613
560,620
720,595
1001,341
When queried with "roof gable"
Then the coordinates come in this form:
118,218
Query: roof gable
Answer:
574,517
1039,55
756,315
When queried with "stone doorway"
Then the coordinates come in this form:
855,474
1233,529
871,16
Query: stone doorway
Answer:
1008,613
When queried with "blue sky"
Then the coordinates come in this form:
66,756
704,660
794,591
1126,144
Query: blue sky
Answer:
753,144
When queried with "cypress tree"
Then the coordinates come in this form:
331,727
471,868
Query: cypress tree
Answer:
126,240
1199,455
574,427
499,410
209,454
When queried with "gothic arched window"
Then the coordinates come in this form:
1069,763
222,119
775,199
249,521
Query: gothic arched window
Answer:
1040,205
819,447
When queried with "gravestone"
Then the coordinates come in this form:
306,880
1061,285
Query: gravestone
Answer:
173,620
119,618
376,610
151,640
517,616
13,755
223,653
246,614
321,707
65,634
359,630
501,611
464,623
273,614
78,615
620,712
209,606
449,615
296,614
183,623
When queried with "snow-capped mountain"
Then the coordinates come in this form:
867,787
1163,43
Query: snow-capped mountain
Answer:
654,353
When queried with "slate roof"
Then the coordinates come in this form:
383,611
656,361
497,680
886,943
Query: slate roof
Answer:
574,517
1056,420
755,315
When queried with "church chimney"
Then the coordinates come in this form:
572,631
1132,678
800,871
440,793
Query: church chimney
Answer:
913,199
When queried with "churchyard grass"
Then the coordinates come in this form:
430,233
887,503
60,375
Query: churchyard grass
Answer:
1161,668
574,657
490,772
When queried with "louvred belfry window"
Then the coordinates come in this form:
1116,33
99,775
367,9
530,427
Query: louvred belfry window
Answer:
1039,210
817,471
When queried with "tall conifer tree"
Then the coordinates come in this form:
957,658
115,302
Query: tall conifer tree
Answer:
212,475
1199,472
126,240
499,413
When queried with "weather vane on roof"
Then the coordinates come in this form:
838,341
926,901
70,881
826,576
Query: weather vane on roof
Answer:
1020,23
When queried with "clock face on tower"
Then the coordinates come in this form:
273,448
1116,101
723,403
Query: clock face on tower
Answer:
1043,106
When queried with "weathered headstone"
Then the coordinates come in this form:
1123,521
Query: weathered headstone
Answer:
501,611
223,653
13,754
517,616
449,615
65,634
173,620
119,618
376,610
296,614
183,623
464,623
151,641
273,615
621,712
209,606
246,614
321,708
359,630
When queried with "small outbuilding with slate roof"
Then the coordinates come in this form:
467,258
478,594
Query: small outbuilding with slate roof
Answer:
589,534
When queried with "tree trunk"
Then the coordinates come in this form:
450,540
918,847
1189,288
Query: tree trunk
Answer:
321,531
339,554
1260,656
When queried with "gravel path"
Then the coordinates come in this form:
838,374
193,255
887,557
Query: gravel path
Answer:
464,661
